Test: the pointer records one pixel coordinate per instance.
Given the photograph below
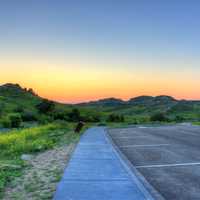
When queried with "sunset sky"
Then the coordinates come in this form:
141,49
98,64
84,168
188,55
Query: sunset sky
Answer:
73,51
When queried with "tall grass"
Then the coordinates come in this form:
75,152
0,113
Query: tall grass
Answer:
28,140
196,123
17,142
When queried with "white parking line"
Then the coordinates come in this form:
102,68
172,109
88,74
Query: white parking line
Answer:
131,137
168,165
188,132
144,145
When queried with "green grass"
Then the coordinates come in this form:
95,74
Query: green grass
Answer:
196,123
28,141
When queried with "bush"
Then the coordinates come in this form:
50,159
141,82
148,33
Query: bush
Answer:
102,124
6,123
60,115
135,121
74,115
115,118
15,120
159,117
1,108
179,118
18,109
29,116
12,120
45,106
91,118
44,119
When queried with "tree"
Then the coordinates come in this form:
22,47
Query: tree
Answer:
29,116
45,106
91,118
115,118
15,120
12,120
179,118
31,91
60,115
1,109
19,109
159,117
74,115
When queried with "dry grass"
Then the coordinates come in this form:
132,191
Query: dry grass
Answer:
41,177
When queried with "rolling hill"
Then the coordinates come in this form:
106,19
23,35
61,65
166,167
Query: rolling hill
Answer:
14,98
144,106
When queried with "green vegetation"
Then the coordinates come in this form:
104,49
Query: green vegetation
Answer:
12,120
23,104
50,123
146,109
45,106
115,118
159,117
29,141
196,123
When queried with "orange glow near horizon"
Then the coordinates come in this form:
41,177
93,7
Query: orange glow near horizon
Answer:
84,93
74,82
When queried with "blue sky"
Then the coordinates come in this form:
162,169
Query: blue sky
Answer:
139,36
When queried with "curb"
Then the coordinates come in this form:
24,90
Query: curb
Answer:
149,191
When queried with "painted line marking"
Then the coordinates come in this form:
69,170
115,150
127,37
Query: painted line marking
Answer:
131,137
188,132
167,165
145,145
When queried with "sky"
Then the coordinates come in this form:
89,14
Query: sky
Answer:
74,50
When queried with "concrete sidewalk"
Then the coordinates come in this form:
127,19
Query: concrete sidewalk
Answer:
95,172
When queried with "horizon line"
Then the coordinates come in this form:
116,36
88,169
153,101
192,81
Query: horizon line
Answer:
122,99
101,98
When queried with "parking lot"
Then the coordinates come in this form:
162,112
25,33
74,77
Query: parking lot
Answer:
167,156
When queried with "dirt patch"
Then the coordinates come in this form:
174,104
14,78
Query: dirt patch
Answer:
41,177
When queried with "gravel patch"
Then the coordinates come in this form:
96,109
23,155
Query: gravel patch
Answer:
40,178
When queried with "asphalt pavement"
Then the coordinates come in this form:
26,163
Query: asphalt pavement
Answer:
166,157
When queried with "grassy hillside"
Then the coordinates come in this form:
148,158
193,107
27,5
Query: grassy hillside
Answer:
142,108
15,99
51,123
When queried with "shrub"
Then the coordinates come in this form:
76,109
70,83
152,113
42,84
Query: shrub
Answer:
74,115
44,119
15,120
90,118
102,124
6,123
18,109
45,106
29,116
159,117
2,107
135,121
60,115
12,120
179,118
115,118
